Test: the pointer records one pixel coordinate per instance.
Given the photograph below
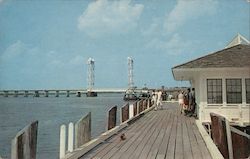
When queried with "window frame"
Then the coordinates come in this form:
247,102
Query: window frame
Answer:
214,91
247,90
234,91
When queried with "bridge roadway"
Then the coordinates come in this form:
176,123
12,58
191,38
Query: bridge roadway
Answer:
161,134
56,92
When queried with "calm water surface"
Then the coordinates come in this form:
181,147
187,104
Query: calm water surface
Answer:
51,112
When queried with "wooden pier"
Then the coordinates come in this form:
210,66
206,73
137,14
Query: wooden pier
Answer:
158,134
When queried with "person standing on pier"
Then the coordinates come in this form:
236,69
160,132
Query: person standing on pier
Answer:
181,100
154,98
193,105
159,99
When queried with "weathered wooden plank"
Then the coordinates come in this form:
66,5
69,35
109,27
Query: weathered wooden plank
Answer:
161,136
140,106
112,115
140,136
171,147
193,142
241,144
179,141
110,144
201,143
25,143
135,108
164,145
125,113
187,152
158,141
218,131
140,142
83,130
144,103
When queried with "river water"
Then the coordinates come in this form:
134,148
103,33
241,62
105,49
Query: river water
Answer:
51,112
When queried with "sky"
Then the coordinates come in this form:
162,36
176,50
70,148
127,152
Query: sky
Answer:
45,44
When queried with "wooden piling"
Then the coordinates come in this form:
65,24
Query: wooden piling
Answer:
112,116
83,131
25,143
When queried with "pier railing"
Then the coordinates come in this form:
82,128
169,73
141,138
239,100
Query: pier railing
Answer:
25,142
232,143
83,143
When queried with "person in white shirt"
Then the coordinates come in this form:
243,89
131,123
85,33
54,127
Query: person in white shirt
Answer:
159,100
181,101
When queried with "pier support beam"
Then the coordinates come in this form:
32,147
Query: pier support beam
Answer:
57,93
36,94
46,93
67,94
26,93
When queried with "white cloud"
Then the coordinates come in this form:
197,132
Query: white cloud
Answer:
173,46
109,17
186,10
13,50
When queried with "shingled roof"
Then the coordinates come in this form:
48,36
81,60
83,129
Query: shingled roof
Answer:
236,56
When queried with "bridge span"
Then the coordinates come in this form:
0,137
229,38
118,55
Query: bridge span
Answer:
56,92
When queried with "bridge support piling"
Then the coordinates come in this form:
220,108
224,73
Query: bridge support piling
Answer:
26,93
6,93
15,93
46,93
67,94
36,94
57,93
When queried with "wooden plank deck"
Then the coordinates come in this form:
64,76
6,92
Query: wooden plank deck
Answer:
161,134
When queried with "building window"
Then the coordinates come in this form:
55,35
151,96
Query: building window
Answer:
248,90
214,91
234,91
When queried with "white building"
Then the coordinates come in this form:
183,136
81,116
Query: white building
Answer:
221,81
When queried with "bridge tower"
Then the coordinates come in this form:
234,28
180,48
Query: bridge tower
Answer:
130,93
130,72
91,78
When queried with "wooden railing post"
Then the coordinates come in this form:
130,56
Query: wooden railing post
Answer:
71,137
25,143
124,113
62,150
140,106
83,131
219,133
112,115
131,110
135,108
